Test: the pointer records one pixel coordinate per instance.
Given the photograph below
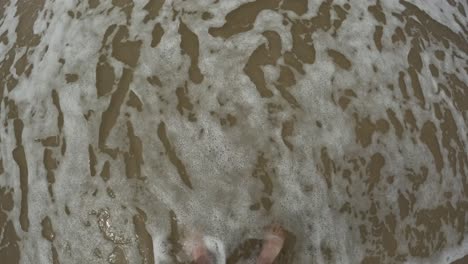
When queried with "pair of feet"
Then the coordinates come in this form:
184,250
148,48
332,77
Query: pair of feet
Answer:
272,245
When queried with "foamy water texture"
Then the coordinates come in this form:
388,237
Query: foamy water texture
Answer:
128,125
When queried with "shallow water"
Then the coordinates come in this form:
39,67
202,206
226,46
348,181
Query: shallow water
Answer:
127,125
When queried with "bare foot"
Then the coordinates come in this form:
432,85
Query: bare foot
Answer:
197,249
272,245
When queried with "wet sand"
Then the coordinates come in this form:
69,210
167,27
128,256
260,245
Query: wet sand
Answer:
126,125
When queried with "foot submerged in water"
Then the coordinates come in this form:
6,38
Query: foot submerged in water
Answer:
196,248
272,244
